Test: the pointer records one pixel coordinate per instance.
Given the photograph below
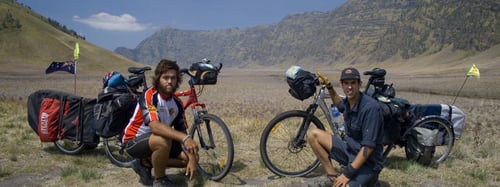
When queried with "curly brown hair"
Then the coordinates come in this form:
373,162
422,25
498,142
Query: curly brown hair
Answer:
163,67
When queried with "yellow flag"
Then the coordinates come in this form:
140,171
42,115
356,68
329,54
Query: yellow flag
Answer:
473,71
77,51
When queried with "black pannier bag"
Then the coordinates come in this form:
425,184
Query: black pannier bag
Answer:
395,110
420,146
392,122
302,83
396,118
204,73
56,115
113,111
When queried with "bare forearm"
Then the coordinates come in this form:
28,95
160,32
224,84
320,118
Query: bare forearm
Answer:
333,94
165,131
361,157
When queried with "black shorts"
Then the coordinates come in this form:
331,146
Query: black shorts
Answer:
139,147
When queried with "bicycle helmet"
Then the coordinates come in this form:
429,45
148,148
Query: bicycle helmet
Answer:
114,79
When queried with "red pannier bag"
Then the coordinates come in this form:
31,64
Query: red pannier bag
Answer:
56,115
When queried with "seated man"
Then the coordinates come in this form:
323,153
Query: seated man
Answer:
360,151
157,130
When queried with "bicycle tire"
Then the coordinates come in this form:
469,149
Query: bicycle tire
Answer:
69,147
278,153
445,144
215,161
115,153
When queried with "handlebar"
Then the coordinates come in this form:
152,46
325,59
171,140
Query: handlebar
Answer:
323,78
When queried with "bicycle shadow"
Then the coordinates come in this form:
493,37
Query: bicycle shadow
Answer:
89,150
398,163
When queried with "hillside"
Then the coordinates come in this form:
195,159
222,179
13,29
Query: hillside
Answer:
31,44
357,32
364,35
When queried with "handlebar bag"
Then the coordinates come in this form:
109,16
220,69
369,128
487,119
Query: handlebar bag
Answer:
204,73
302,84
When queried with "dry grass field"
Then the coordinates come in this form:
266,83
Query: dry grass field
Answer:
246,100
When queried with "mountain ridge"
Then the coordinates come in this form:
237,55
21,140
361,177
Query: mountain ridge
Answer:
357,32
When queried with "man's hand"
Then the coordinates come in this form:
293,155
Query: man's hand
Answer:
323,79
191,168
190,146
341,181
191,149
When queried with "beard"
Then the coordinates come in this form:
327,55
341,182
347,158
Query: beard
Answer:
167,91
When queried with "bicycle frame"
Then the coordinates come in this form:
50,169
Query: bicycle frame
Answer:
319,101
192,101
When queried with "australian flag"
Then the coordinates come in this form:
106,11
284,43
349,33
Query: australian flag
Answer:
68,66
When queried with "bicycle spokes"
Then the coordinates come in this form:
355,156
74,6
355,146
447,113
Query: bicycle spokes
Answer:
216,148
221,160
275,128
296,146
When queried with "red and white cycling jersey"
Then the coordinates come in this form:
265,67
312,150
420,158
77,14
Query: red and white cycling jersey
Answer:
154,106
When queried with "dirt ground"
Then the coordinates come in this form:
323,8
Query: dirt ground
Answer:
247,100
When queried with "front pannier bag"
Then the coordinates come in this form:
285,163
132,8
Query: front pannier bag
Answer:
302,83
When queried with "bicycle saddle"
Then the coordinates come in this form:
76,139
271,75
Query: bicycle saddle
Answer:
376,72
137,70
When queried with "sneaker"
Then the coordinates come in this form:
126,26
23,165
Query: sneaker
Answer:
163,182
144,172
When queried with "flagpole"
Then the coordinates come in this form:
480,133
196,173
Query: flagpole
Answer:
76,54
74,82
466,77
473,71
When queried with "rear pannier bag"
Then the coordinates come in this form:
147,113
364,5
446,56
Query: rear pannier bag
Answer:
453,114
113,112
204,73
420,145
393,121
56,115
302,83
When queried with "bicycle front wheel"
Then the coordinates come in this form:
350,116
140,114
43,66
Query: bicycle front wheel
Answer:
115,153
282,152
216,147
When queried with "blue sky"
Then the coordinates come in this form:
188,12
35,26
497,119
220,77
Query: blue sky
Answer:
125,23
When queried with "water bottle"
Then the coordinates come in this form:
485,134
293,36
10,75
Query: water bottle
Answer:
336,118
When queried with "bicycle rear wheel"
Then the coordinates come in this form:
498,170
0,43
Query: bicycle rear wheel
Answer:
280,153
115,153
69,147
216,147
431,155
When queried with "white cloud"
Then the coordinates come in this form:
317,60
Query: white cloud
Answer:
105,21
